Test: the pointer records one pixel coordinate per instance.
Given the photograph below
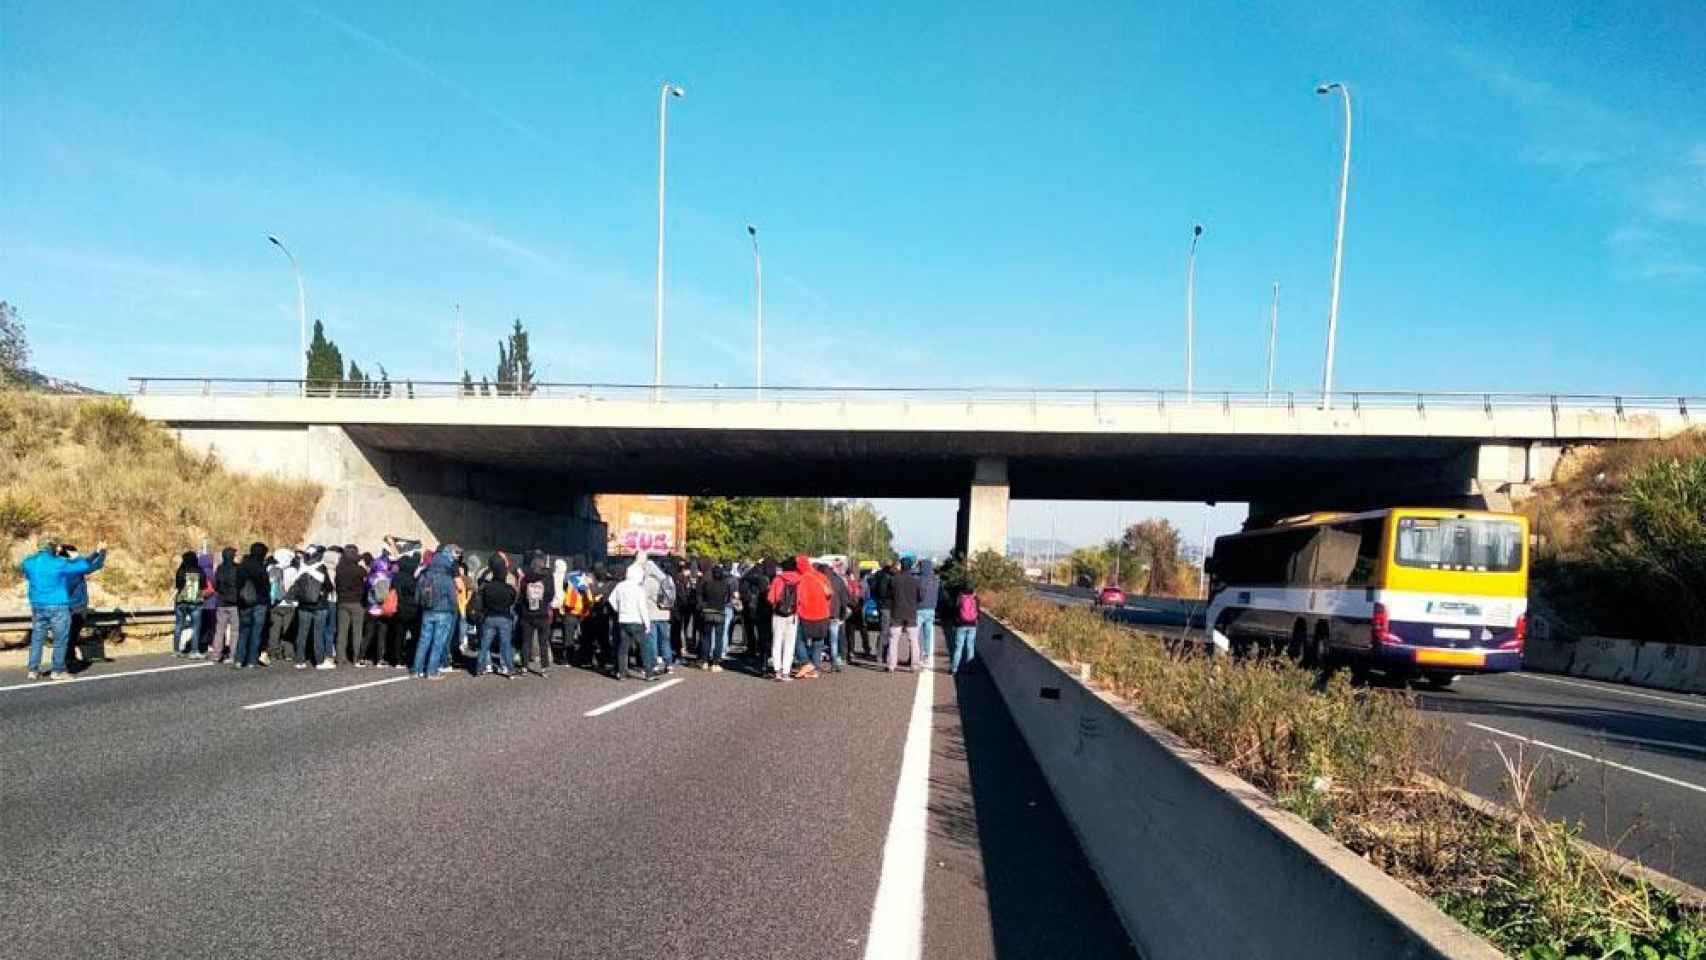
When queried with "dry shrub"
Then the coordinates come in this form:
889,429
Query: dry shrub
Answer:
93,470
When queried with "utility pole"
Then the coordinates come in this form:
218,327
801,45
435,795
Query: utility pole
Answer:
1338,242
1191,316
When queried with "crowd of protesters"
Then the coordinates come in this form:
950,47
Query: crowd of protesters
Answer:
442,611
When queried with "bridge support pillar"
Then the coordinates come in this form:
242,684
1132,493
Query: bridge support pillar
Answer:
982,521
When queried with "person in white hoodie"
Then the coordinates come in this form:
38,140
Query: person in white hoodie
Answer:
633,612
660,593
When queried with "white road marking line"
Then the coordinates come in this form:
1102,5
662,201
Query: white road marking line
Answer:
46,684
630,698
326,693
1697,788
897,917
1609,688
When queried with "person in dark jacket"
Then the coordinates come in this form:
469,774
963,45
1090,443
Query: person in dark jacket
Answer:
903,597
840,602
308,592
756,625
406,632
188,586
715,598
929,596
225,615
496,604
435,591
882,590
536,599
350,581
254,599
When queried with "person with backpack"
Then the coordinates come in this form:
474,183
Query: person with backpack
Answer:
495,606
784,601
882,590
254,599
435,591
815,599
929,595
575,606
533,608
379,618
660,592
966,610
903,619
282,576
189,588
308,593
715,595
225,615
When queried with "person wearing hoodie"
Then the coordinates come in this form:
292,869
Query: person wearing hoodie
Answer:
716,594
784,601
254,597
631,615
435,591
815,598
495,603
308,593
839,603
406,631
929,595
350,581
225,615
534,602
284,611
330,557
49,576
660,591
903,594
374,620
189,587
754,616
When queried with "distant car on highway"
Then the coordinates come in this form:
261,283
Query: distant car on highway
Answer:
1110,597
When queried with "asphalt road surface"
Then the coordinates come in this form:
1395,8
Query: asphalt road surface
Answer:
1626,762
158,809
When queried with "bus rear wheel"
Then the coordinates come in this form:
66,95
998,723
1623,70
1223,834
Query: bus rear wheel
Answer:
1298,648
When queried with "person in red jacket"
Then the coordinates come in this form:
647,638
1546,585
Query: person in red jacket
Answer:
815,609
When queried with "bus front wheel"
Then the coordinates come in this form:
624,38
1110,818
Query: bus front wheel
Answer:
1298,648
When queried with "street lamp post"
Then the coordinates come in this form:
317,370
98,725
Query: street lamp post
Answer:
758,270
1191,316
301,307
1273,337
1338,242
668,90
460,369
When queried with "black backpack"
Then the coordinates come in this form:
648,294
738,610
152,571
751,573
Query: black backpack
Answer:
308,588
788,603
246,595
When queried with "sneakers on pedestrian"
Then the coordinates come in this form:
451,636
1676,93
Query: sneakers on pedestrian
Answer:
302,666
33,675
716,668
435,676
325,665
360,664
56,677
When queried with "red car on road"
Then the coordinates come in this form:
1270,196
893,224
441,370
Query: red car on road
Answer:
1110,597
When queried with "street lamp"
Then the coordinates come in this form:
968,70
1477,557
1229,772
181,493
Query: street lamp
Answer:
1338,241
1191,315
1273,337
301,307
758,270
668,90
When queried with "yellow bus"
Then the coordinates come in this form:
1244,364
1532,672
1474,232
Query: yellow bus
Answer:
1414,592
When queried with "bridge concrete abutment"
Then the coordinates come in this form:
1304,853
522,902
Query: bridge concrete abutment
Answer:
1491,475
370,493
982,521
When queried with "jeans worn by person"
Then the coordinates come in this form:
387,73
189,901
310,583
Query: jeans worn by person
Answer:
56,617
435,636
728,625
251,625
663,654
328,636
835,641
885,620
307,635
502,629
626,634
224,633
965,643
186,619
927,633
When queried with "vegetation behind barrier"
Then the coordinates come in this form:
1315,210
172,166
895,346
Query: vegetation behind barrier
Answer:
92,469
1348,759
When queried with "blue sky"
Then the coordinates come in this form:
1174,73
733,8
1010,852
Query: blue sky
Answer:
999,195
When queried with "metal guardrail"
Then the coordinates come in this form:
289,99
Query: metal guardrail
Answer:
13,625
1353,401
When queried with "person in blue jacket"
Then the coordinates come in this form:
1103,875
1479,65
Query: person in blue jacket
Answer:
51,578
435,591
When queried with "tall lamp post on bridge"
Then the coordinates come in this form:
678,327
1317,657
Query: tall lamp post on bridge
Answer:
301,307
1338,241
1273,338
1191,316
668,90
758,270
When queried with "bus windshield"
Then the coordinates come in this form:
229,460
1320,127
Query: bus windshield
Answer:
1460,543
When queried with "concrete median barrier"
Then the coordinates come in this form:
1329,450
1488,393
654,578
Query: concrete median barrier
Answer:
1197,862
1661,666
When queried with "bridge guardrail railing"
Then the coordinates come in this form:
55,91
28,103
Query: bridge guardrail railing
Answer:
1225,401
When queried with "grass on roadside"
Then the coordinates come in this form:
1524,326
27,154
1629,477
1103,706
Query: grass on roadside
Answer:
1347,759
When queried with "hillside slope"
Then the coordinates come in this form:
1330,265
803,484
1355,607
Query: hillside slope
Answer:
88,470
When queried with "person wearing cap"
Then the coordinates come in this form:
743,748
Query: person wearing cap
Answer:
50,582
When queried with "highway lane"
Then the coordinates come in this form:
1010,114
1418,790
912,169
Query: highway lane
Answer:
1628,763
152,815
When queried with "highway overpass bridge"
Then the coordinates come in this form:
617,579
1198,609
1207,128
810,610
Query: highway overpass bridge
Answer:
503,468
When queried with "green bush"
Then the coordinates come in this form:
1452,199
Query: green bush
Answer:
1651,539
20,517
110,424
